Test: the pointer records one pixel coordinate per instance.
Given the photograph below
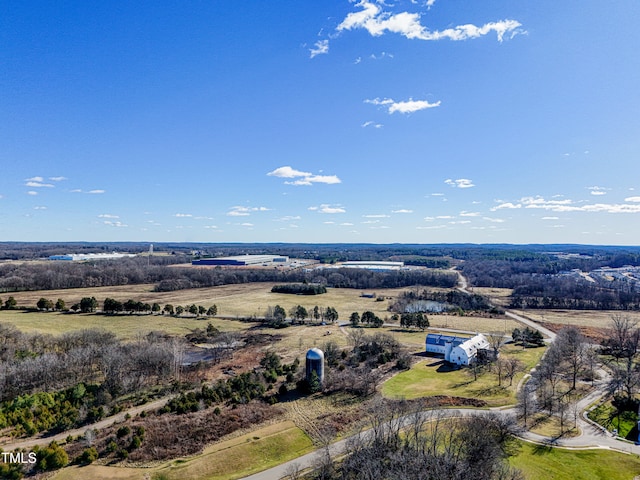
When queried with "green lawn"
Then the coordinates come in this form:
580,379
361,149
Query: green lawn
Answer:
430,377
607,416
537,462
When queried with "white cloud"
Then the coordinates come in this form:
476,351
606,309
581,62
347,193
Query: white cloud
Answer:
493,220
326,208
57,179
303,178
550,218
321,47
371,124
346,224
36,184
408,106
507,205
378,22
212,227
402,210
444,217
34,179
437,194
31,192
434,227
569,206
377,215
460,183
40,208
183,215
107,215
97,192
632,199
598,190
287,172
239,211
469,214
246,224
288,218
115,224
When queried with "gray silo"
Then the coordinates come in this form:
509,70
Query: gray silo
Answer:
315,363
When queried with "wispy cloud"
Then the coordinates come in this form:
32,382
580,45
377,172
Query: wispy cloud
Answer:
321,47
57,179
108,215
402,210
376,215
327,208
632,199
371,124
460,183
408,106
598,190
40,207
239,211
182,215
469,214
567,205
91,192
377,22
303,178
115,224
32,192
36,184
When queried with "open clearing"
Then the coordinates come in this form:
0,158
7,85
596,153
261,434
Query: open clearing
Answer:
429,377
580,318
241,456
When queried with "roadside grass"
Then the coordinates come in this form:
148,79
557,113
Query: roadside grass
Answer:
236,458
549,426
537,461
607,416
431,377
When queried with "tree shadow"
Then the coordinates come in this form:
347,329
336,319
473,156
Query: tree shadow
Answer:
542,449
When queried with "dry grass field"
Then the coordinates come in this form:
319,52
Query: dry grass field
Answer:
498,296
582,318
232,300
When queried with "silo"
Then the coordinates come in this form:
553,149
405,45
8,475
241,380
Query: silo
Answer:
315,363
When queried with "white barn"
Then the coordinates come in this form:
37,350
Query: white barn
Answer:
458,350
466,353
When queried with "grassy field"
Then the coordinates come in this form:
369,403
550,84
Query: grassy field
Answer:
232,300
538,461
498,296
236,458
427,378
584,318
124,326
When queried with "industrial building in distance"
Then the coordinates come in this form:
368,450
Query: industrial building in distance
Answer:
369,265
242,260
83,257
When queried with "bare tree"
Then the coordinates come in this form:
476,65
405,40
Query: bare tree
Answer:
526,405
496,342
513,366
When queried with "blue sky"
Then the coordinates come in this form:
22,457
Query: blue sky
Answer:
320,121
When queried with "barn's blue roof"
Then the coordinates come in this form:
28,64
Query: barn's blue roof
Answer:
438,339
